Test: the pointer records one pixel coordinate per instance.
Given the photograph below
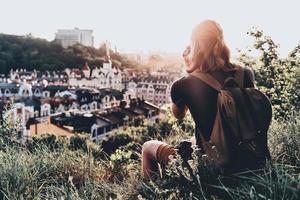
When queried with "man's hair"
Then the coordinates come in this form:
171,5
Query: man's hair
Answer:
208,50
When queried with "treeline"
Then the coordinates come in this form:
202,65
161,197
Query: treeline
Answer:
31,53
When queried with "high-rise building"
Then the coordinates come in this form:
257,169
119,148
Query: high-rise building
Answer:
69,37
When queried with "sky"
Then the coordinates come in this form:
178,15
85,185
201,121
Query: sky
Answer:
154,25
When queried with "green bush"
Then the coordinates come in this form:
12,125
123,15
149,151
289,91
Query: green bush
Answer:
284,141
277,77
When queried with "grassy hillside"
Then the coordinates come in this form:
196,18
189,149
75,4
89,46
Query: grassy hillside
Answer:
58,168
33,53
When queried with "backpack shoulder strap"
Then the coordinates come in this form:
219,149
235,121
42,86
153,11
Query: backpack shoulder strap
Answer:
208,79
239,76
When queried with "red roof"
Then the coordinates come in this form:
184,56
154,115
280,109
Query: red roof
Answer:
86,66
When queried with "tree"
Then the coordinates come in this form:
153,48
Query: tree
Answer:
33,53
275,76
3,67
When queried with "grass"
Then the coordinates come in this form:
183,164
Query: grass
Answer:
54,168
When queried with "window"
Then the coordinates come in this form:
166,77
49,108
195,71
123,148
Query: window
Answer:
46,94
37,92
19,110
94,133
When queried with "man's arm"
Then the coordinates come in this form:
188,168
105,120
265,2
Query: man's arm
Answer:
179,112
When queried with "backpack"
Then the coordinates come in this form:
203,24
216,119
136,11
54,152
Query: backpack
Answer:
238,140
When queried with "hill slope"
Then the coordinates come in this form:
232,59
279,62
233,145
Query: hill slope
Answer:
33,53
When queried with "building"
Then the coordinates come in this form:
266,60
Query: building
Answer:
97,123
28,103
105,76
95,100
70,37
20,91
154,89
35,76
